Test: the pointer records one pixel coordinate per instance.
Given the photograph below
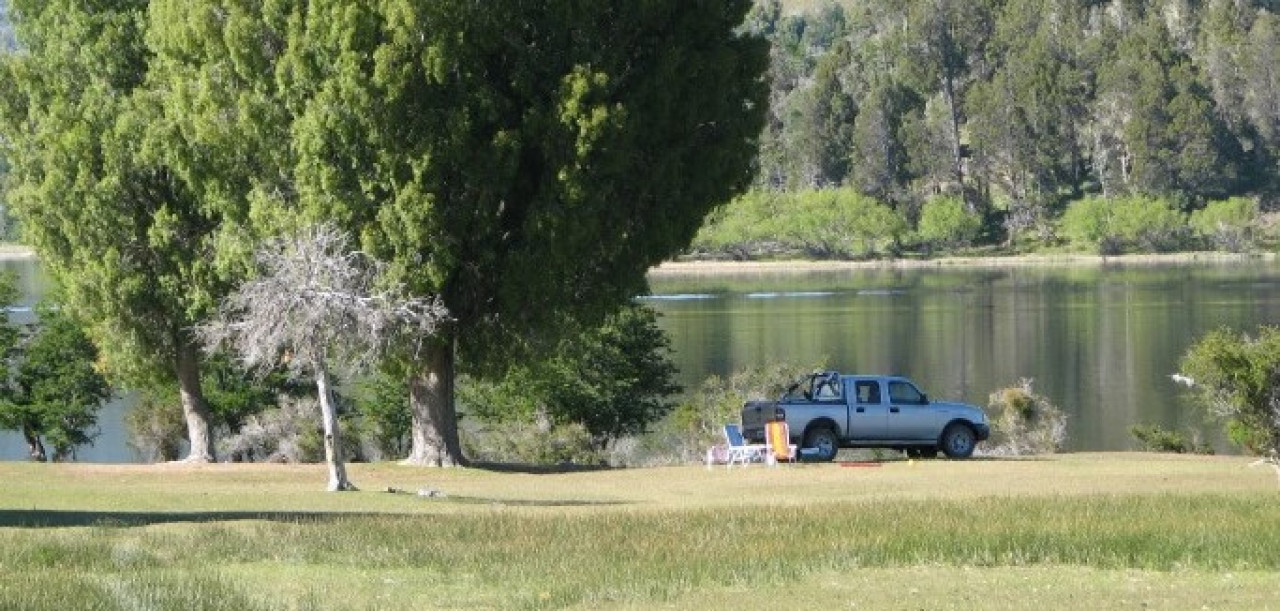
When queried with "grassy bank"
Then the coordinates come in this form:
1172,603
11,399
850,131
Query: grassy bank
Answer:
1122,529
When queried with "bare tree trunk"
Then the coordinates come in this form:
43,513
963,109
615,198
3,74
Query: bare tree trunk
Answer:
957,152
194,408
435,420
35,448
332,440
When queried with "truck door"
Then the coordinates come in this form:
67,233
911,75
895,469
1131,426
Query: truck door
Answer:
909,417
867,409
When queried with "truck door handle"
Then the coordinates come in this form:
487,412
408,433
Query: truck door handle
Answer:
893,410
861,410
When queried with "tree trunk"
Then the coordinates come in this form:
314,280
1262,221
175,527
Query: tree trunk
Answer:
435,420
332,441
35,448
957,152
194,408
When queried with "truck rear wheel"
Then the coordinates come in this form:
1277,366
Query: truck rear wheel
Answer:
825,441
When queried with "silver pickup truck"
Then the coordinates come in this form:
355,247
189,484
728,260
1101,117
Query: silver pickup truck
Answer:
827,411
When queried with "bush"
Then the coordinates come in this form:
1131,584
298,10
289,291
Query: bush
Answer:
615,380
1235,380
157,431
746,227
1228,224
1088,222
1112,226
288,433
825,223
841,223
532,442
1150,224
382,402
1023,422
946,223
698,422
1153,438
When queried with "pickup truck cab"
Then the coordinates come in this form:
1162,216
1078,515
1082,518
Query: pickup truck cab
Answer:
826,411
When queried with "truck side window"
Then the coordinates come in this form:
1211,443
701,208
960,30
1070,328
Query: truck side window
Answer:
868,392
903,393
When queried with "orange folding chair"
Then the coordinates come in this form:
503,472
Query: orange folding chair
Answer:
777,436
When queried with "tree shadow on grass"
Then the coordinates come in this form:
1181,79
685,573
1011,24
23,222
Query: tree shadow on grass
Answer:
532,469
57,518
38,518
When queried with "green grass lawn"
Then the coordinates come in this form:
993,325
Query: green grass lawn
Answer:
1074,531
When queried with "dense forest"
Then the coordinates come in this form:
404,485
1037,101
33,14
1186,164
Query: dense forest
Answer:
1017,108
1014,108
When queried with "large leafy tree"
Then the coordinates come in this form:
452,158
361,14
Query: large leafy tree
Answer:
521,161
103,198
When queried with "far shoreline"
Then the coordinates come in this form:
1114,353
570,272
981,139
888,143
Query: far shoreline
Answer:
14,252
684,269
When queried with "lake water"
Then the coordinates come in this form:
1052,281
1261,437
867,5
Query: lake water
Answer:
1100,342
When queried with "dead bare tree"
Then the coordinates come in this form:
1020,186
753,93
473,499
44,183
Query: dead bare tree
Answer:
317,308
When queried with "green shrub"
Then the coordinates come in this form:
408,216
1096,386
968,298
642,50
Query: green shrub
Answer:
822,223
698,422
1235,379
532,442
155,426
615,379
1149,224
745,227
382,402
1088,222
946,223
1112,226
840,223
1228,224
1153,438
1023,422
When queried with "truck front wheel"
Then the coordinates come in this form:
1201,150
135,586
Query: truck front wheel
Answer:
825,441
958,441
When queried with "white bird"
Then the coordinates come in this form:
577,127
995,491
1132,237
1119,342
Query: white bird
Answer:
1181,379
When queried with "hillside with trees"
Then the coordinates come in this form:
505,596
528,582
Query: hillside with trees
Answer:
1019,109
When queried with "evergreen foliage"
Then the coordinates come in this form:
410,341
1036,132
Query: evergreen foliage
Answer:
1237,379
1020,107
53,390
614,380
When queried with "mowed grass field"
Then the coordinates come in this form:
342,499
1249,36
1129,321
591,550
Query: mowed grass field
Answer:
1073,531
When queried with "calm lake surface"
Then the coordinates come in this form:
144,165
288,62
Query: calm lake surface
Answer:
1098,341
